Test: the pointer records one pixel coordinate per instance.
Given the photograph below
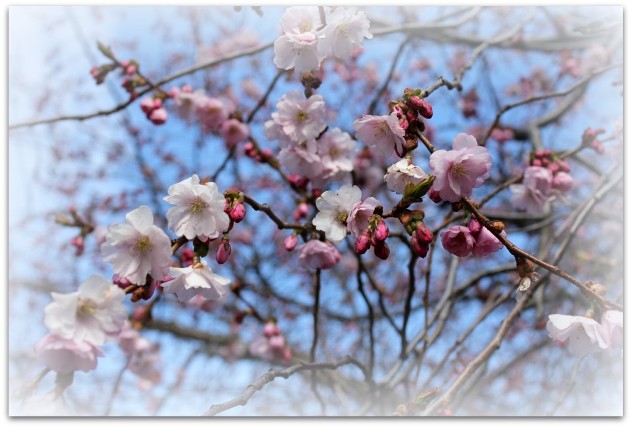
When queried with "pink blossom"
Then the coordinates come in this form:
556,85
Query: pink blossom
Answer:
65,355
223,251
318,255
138,247
486,243
198,211
94,313
196,279
187,104
298,160
612,323
335,209
402,173
461,169
458,240
382,133
585,335
562,182
158,116
336,150
345,30
300,118
233,131
290,242
212,112
533,194
297,47
360,215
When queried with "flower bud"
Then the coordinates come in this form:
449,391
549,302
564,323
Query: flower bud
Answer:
237,213
301,211
381,232
424,234
474,226
146,105
223,251
277,343
382,250
362,244
290,242
158,116
562,181
419,248
434,196
271,329
157,103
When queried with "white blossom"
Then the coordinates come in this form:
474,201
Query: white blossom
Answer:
402,173
196,279
299,117
345,30
198,211
334,209
585,335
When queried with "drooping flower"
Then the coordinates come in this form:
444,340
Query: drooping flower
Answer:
402,173
334,210
382,133
198,211
318,255
345,30
458,240
461,169
138,247
485,242
300,118
533,194
66,355
196,279
360,214
94,313
585,335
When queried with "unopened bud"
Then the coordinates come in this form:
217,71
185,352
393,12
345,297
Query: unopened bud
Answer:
362,244
146,105
290,242
223,251
382,250
434,196
423,233
271,329
419,248
158,116
237,213
474,226
381,232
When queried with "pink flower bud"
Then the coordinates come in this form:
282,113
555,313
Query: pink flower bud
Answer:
381,231
158,116
277,342
223,251
554,168
187,89
434,196
475,227
237,213
423,233
302,210
290,242
271,329
562,181
382,250
267,153
124,64
419,248
423,107
130,70
157,103
362,244
121,282
173,92
146,105
536,162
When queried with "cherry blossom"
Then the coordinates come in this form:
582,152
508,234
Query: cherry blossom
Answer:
458,240
197,279
360,214
585,335
138,247
485,242
300,118
298,45
461,169
334,210
382,133
93,313
233,131
345,30
336,150
402,173
198,211
318,255
612,323
533,194
66,355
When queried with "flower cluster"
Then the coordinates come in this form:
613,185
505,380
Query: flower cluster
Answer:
80,322
586,335
461,169
297,125
271,346
472,239
546,178
305,41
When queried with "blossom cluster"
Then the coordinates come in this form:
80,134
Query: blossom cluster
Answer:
307,40
271,346
297,124
473,239
584,334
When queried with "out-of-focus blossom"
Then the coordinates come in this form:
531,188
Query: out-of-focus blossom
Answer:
198,211
334,208
93,313
562,182
345,30
402,173
233,131
66,355
211,112
612,323
533,194
196,279
297,47
382,133
461,169
318,255
138,247
585,335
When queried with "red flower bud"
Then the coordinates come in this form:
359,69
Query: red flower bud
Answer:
223,251
362,244
290,242
382,250
423,233
381,232
419,248
237,213
434,196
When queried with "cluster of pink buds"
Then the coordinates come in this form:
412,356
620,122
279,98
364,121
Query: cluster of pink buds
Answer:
301,211
273,344
421,238
590,139
129,67
78,243
234,206
261,156
561,178
374,235
410,112
154,110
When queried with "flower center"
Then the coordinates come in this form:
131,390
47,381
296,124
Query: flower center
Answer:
342,217
301,116
305,26
198,205
458,170
143,245
85,308
382,129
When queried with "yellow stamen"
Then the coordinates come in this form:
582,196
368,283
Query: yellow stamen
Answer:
143,245
458,170
198,205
